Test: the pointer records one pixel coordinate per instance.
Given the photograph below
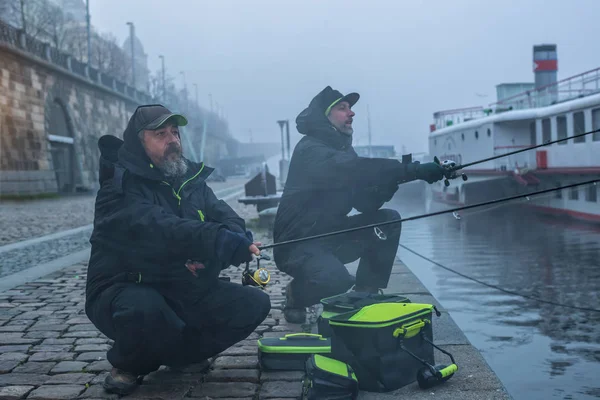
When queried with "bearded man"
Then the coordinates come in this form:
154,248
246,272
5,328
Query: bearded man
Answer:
161,238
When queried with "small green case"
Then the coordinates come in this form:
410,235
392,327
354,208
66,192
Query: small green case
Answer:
291,351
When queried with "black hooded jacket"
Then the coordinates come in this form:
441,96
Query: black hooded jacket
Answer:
326,179
147,229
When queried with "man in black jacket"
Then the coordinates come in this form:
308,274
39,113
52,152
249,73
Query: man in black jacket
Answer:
326,180
160,241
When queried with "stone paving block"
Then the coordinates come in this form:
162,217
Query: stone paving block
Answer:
13,357
81,327
233,375
240,351
43,334
56,392
18,340
45,327
52,356
78,320
219,390
92,347
160,392
13,328
98,379
8,365
18,348
99,366
15,392
22,379
71,378
98,392
68,366
52,341
83,341
52,347
81,334
292,376
33,314
35,367
21,322
92,356
282,390
236,362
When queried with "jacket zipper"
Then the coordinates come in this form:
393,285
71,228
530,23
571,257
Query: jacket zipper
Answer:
176,194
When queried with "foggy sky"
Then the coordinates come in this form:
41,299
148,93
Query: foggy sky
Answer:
265,60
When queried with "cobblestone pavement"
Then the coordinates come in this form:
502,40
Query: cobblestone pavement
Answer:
22,220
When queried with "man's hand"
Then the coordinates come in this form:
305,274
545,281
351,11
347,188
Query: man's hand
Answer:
234,248
429,172
254,248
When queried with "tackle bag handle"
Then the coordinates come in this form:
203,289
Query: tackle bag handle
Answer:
302,335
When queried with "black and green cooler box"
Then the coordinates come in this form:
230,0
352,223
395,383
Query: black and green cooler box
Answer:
351,301
329,379
291,351
372,341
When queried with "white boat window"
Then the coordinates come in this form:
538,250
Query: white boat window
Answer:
561,129
579,126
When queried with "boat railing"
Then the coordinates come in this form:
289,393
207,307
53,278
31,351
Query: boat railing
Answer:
576,86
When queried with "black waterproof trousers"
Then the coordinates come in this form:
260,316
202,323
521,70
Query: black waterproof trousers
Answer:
150,331
317,266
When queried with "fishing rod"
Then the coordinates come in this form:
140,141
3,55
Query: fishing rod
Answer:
432,214
452,168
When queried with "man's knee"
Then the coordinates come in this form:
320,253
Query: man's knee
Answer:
329,283
386,215
143,308
261,305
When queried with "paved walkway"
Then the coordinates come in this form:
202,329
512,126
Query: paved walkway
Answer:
50,350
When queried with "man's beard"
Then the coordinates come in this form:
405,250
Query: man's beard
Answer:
173,168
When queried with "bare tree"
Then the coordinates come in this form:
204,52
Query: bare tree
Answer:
40,19
108,57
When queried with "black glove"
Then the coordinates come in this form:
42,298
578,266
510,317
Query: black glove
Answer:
430,172
232,248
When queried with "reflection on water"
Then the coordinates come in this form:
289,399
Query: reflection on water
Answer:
538,350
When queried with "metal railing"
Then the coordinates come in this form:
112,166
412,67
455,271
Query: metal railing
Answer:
16,38
570,88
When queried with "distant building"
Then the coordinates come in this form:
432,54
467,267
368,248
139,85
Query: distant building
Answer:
376,151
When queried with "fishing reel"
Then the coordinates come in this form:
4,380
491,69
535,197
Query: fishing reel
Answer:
258,277
451,170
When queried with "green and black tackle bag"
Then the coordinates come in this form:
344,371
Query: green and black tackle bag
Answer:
329,379
351,301
291,351
376,339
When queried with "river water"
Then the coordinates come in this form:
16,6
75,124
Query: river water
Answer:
539,351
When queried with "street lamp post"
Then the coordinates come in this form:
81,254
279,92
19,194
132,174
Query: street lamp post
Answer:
131,36
164,87
185,92
89,46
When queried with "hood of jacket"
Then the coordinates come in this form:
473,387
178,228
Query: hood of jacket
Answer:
313,122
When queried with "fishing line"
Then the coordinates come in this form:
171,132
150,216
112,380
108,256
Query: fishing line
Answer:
432,214
494,286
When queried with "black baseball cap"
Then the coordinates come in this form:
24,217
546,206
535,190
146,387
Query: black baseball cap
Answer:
153,116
